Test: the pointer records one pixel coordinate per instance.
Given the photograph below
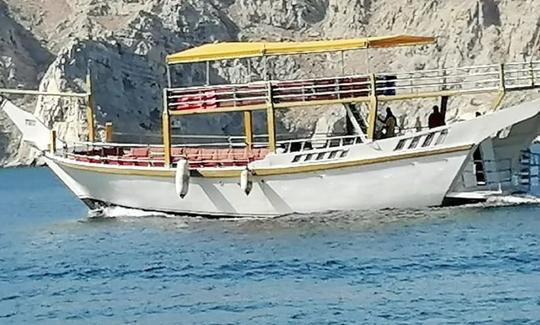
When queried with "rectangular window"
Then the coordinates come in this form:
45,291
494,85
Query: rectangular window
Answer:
442,137
335,143
400,145
414,142
349,141
333,154
429,140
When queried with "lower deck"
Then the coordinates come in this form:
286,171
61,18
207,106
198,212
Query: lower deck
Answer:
153,156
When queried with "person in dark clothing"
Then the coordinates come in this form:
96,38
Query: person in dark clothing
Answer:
390,123
436,119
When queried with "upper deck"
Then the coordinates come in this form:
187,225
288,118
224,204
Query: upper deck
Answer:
353,88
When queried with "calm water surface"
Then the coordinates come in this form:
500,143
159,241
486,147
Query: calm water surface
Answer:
463,265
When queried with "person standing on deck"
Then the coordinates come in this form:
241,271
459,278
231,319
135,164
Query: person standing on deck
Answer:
436,119
390,123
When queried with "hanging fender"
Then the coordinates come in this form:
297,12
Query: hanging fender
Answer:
182,178
246,182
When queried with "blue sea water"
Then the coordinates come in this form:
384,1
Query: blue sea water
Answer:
478,265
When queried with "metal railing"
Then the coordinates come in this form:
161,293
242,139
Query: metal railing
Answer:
355,88
101,151
319,143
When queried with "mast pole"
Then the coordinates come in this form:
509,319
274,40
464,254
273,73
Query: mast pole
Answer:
166,131
271,119
90,106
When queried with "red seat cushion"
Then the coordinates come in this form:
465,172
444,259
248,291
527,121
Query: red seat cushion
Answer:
140,152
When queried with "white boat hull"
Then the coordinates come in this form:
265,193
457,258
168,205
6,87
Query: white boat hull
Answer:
399,184
410,171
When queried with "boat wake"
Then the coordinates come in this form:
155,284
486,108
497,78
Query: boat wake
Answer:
124,213
509,200
388,216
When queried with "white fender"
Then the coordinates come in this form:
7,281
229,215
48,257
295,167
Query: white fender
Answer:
182,178
246,182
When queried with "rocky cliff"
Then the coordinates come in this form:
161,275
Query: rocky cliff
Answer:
50,44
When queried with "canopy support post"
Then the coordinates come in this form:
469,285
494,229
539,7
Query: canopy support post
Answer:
52,146
444,106
271,120
169,81
108,132
249,69
342,63
166,132
265,64
502,88
90,108
208,73
248,129
373,107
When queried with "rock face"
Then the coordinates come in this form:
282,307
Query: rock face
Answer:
50,44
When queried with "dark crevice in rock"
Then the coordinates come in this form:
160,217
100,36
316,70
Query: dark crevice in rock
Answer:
491,15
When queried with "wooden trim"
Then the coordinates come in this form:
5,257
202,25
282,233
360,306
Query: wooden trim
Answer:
109,132
248,128
166,133
235,172
271,120
373,108
90,110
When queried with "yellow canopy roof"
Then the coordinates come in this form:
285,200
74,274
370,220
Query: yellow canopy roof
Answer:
236,50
